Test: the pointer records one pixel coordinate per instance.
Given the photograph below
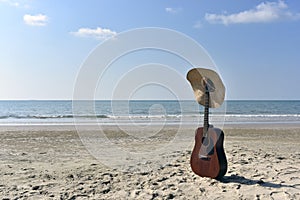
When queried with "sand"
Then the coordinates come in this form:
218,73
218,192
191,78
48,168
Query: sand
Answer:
51,162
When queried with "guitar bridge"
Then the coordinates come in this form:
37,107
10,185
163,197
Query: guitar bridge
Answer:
203,157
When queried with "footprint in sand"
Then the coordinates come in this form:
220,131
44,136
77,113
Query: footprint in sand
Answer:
280,195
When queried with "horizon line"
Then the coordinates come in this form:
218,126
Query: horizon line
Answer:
143,100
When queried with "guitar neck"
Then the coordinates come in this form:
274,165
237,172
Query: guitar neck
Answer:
206,113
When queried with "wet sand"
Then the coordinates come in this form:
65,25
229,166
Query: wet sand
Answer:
51,162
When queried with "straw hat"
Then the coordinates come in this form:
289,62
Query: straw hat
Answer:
199,77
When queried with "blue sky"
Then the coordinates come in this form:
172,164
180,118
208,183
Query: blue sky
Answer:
255,44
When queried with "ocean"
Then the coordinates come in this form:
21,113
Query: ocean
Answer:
145,112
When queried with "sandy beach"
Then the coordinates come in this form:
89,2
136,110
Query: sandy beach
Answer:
51,162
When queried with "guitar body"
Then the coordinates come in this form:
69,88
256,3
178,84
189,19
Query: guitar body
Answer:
208,157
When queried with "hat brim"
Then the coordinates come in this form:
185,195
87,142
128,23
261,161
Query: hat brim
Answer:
197,76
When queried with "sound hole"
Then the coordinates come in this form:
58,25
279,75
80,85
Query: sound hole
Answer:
206,141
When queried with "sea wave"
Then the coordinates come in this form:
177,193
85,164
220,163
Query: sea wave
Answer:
262,115
68,116
169,118
146,116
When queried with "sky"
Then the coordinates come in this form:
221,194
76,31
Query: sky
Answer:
254,44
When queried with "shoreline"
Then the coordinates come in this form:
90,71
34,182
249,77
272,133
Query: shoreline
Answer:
70,126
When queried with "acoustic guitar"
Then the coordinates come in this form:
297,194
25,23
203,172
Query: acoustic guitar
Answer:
208,157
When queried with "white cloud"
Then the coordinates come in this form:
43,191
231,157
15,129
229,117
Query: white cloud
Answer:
173,10
98,33
35,20
16,4
10,3
262,13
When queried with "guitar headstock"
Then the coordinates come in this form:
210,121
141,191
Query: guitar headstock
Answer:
208,85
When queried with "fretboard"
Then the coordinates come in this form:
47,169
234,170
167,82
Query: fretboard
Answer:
206,112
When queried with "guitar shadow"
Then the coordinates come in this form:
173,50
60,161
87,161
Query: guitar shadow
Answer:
246,181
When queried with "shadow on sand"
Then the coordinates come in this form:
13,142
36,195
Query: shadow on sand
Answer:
246,181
